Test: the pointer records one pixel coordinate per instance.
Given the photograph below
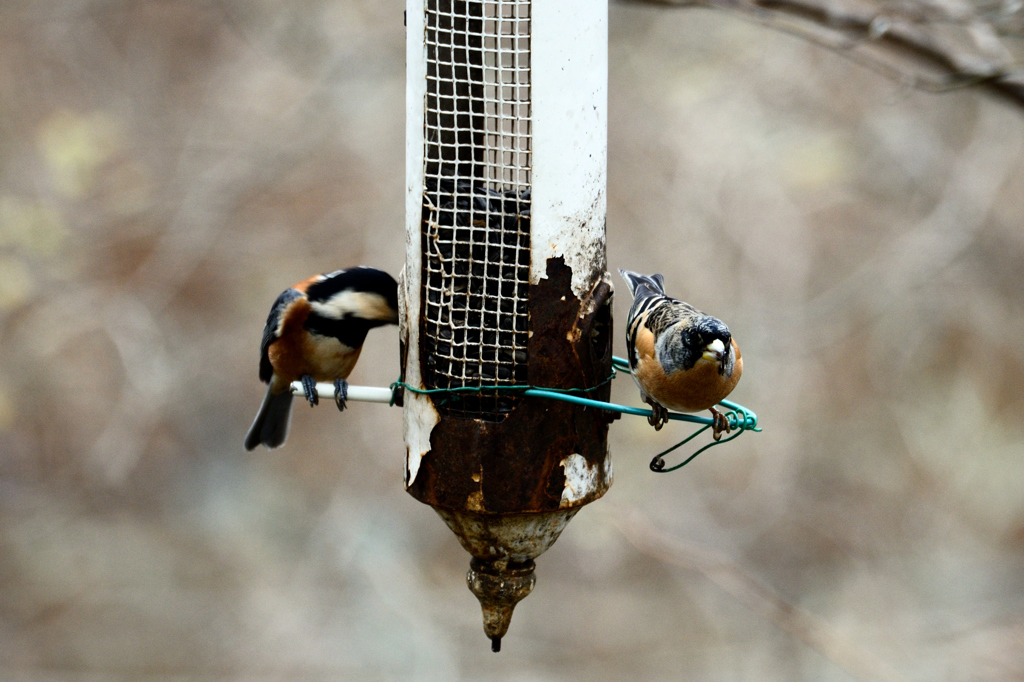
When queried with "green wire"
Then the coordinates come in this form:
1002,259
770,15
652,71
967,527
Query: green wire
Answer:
739,417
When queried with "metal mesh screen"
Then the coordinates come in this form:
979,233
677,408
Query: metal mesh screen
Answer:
476,207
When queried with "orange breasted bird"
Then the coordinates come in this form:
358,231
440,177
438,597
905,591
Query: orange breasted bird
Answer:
682,359
315,332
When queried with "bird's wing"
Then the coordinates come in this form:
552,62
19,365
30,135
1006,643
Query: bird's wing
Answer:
634,322
272,331
651,316
665,312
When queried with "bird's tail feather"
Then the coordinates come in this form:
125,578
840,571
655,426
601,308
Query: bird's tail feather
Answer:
271,424
635,281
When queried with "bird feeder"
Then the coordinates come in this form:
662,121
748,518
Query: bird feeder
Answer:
505,281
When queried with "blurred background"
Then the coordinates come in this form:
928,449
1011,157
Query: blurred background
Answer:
168,167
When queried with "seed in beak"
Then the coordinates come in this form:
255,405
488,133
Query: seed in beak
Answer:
714,351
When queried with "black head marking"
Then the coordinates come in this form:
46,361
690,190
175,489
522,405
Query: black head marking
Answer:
362,279
708,328
682,345
350,329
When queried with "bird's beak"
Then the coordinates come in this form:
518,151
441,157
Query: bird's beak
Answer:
714,351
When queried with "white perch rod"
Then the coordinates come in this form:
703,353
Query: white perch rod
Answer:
362,394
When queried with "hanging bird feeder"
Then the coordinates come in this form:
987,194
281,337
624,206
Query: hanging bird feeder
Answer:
505,279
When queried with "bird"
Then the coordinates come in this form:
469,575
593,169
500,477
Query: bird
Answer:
315,332
681,358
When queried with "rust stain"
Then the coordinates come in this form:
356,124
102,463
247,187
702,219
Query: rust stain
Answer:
519,458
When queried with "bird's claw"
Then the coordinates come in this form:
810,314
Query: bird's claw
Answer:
309,388
340,393
721,424
659,415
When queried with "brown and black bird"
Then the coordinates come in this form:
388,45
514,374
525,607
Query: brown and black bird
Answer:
315,332
682,359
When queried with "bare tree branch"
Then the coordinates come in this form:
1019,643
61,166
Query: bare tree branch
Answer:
937,46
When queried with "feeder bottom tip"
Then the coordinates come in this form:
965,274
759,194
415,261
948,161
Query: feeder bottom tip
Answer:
499,587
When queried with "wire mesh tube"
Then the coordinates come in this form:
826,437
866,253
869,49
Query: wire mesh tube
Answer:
476,203
505,281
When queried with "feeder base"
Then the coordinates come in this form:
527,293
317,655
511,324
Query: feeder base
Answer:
503,547
499,589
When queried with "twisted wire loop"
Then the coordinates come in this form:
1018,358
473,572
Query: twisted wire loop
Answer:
740,418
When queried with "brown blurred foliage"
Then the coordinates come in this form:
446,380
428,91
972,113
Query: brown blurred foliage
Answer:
168,167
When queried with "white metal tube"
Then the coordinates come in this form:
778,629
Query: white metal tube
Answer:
362,394
570,122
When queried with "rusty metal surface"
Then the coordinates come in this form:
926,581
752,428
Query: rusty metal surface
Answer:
517,465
